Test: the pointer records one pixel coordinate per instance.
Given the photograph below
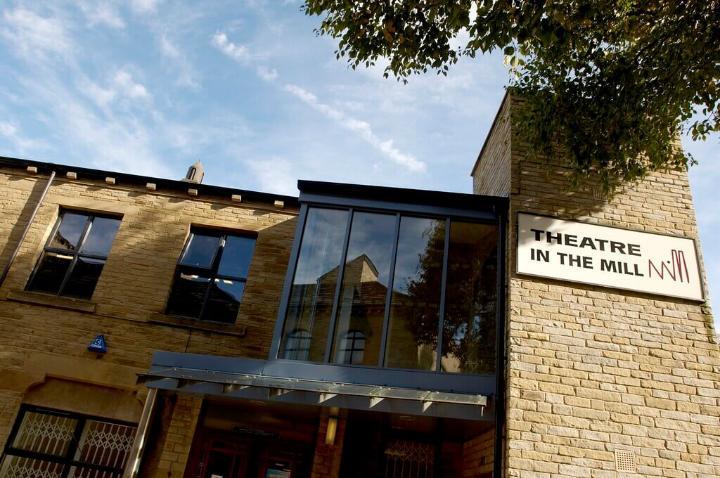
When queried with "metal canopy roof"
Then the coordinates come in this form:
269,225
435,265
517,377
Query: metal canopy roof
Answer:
251,381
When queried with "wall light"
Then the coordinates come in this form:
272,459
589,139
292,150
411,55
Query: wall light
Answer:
332,424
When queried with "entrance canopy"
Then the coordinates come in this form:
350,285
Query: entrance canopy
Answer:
288,381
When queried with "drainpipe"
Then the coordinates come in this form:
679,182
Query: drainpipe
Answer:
27,228
135,456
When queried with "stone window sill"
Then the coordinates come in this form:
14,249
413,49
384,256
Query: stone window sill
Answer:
195,324
38,298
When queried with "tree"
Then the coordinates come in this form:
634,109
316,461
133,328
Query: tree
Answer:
611,83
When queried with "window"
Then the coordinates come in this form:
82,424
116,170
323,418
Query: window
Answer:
75,255
297,345
352,347
56,444
211,275
398,290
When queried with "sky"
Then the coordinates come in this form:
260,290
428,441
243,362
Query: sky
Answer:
150,86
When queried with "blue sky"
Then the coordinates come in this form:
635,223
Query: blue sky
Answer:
149,86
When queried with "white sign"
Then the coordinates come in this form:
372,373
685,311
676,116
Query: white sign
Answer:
609,257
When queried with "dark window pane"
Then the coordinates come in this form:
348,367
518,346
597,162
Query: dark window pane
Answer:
414,312
70,231
188,294
224,300
313,288
201,250
50,272
364,286
470,297
236,256
100,237
83,278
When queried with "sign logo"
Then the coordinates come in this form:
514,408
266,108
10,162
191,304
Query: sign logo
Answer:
607,256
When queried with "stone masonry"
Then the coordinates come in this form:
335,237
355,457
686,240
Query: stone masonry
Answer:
44,338
596,375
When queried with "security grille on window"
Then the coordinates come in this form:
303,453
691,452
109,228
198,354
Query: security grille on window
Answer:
75,255
50,443
211,275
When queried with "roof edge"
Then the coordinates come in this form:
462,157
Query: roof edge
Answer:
162,183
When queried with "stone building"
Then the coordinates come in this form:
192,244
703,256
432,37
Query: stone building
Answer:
160,328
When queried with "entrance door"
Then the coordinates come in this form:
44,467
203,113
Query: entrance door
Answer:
224,464
219,458
232,455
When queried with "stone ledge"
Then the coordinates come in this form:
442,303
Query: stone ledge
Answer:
38,298
195,324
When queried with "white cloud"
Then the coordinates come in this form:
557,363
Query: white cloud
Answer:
360,128
33,36
19,143
121,85
236,52
267,74
274,175
187,76
144,6
125,85
101,14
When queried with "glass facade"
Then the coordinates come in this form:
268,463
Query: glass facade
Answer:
396,290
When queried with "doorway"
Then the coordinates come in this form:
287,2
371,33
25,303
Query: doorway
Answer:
251,440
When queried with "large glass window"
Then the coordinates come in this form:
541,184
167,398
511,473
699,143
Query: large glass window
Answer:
361,305
75,255
415,303
313,288
211,275
378,289
53,443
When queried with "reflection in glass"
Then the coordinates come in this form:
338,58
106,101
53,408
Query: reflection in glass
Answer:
415,303
470,298
364,286
100,237
313,288
352,348
201,250
69,232
188,295
50,272
236,256
74,257
297,345
224,300
83,277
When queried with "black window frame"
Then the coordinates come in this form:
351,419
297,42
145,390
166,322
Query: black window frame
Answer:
90,216
212,272
67,460
482,210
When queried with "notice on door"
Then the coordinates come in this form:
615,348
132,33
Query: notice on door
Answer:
606,256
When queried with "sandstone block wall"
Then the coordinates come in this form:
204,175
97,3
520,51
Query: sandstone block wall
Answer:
45,337
596,374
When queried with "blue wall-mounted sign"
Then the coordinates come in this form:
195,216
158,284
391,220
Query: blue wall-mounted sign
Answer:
98,345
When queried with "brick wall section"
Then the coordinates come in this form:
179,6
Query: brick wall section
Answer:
491,173
176,448
130,297
327,458
594,370
9,405
478,455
